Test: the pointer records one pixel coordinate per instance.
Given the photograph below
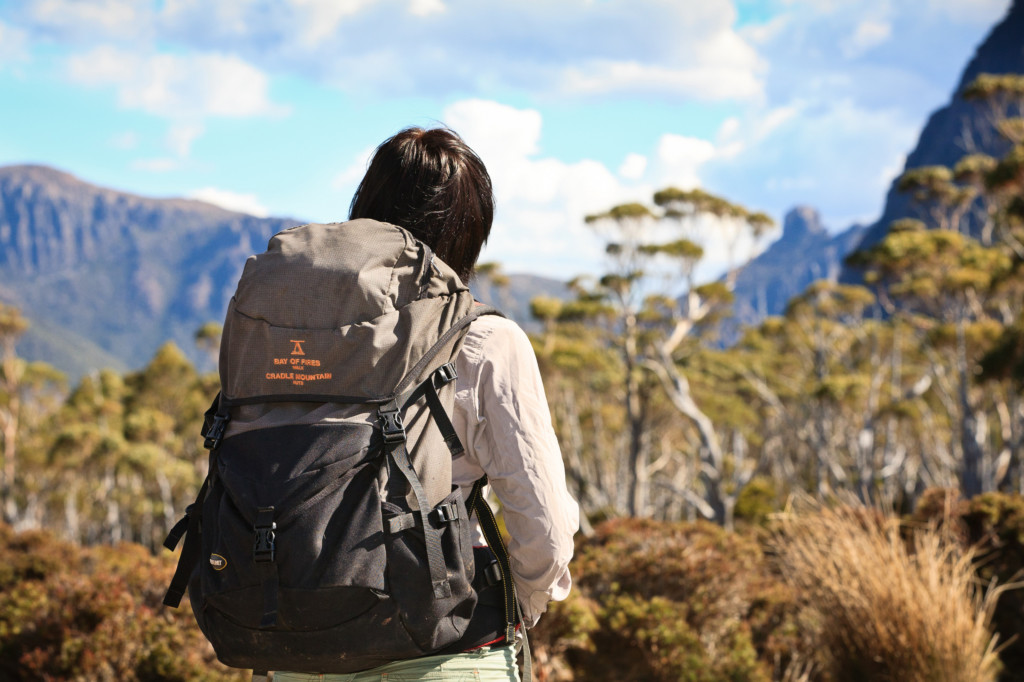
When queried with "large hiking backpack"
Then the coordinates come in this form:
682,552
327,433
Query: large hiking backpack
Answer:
328,536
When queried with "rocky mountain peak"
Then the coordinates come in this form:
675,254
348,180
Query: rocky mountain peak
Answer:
800,223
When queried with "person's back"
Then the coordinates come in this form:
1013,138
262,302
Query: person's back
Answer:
430,184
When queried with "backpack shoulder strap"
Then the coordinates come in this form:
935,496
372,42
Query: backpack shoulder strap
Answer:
459,327
476,504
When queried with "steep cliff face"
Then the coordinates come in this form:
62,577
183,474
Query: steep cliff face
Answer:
804,253
960,127
107,276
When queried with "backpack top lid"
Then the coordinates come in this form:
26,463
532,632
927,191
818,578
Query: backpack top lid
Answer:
338,312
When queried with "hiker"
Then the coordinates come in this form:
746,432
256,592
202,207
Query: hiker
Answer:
433,185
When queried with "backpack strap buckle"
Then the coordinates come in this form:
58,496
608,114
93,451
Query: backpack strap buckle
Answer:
265,546
215,433
445,374
392,426
492,573
446,513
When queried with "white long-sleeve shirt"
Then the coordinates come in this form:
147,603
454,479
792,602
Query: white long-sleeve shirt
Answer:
502,417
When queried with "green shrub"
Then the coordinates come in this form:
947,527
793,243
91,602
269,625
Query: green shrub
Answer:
670,601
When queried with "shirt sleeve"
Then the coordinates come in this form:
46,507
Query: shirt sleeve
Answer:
502,413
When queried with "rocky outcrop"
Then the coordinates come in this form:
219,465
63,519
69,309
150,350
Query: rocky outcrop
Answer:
960,127
804,253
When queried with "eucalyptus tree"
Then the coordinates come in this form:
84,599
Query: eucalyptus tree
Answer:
27,390
660,311
945,278
965,290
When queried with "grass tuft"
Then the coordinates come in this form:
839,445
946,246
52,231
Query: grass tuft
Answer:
886,603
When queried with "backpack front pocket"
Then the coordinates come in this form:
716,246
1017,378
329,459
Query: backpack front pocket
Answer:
432,622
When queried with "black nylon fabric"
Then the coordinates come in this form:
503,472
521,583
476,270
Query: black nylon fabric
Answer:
350,595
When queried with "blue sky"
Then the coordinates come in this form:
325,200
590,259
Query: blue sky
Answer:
575,105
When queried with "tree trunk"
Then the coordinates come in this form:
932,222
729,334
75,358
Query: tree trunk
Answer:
638,488
712,460
971,432
10,452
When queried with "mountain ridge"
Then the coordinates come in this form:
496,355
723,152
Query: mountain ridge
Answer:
766,284
106,277
1002,51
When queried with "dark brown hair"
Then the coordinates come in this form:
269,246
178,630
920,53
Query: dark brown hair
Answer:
431,183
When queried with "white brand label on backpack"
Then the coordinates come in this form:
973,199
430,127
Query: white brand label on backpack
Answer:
218,562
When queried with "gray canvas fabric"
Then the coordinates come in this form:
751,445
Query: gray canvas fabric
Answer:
340,310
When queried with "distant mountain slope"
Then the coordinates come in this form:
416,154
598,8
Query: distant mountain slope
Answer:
804,253
959,128
106,277
514,298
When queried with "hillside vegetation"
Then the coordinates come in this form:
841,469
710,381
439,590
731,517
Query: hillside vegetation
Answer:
825,595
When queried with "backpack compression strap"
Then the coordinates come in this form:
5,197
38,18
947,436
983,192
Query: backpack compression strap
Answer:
190,524
476,504
390,415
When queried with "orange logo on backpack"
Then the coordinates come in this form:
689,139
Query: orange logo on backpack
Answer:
297,348
218,562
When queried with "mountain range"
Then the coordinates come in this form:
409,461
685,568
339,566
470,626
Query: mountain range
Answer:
106,277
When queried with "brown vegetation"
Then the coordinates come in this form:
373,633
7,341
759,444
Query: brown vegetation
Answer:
68,613
831,595
882,604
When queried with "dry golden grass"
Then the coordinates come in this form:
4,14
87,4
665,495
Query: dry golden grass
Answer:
883,607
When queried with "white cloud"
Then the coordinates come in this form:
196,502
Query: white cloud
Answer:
92,20
678,50
835,155
680,159
542,201
867,35
423,8
174,86
349,178
505,138
232,201
982,12
633,166
706,82
322,18
729,129
181,136
228,17
759,34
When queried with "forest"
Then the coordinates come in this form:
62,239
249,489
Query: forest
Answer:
834,494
